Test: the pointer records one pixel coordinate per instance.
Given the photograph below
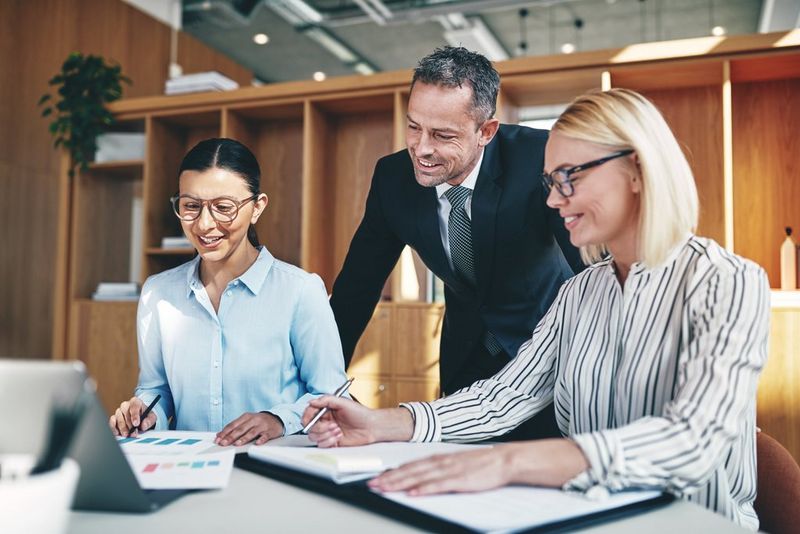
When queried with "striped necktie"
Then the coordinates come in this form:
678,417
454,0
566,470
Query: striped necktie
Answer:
459,233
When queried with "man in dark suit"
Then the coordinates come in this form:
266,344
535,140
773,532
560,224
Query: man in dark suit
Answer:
466,195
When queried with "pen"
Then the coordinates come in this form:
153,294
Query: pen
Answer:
145,413
338,393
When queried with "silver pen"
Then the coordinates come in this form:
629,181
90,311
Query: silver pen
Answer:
341,390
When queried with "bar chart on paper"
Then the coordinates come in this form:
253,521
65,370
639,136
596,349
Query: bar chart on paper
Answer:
168,442
175,459
183,471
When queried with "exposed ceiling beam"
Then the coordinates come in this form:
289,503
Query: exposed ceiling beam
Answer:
778,15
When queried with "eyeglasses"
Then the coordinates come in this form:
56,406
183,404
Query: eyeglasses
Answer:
223,209
560,178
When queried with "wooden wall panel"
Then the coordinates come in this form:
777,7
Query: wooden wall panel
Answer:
35,39
104,338
695,116
766,176
360,140
318,187
779,387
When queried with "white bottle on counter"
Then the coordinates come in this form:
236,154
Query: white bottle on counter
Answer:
789,262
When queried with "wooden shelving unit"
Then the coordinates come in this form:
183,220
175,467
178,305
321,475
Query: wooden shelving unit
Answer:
732,102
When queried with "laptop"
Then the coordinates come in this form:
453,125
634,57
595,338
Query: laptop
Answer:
28,390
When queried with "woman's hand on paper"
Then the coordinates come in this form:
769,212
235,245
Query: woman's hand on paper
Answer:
261,427
476,470
550,462
127,417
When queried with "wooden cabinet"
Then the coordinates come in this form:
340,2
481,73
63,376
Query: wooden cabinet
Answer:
732,102
397,358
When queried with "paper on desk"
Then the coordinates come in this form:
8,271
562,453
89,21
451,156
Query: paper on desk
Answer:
183,471
514,508
349,464
167,442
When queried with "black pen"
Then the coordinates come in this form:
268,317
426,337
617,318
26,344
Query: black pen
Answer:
145,413
341,390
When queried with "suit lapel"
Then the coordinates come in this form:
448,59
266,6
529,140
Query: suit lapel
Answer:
485,202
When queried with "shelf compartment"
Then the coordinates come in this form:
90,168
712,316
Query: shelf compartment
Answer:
275,136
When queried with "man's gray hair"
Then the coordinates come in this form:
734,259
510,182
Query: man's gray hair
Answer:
453,66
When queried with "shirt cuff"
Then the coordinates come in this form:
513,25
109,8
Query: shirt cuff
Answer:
427,427
603,455
287,416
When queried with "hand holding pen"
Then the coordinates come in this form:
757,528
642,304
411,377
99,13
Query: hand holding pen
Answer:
341,390
133,417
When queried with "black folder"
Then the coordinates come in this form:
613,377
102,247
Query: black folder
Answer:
358,494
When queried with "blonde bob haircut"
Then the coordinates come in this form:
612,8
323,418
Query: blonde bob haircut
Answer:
622,119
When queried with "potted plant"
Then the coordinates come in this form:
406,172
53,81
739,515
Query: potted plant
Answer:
85,85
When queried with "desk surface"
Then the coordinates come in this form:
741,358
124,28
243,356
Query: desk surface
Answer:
252,503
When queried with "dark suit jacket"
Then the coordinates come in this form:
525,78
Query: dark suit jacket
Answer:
519,247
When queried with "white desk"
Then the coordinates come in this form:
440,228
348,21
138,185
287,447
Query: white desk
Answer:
254,504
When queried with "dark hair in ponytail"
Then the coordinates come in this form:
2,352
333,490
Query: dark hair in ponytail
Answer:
233,156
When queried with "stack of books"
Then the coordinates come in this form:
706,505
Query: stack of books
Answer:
199,83
175,242
116,291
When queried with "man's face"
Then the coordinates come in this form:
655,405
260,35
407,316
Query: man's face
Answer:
443,138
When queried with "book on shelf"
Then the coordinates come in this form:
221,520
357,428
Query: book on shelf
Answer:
116,291
119,146
175,242
199,82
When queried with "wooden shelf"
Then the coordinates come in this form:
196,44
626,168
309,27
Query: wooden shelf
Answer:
781,299
158,251
121,170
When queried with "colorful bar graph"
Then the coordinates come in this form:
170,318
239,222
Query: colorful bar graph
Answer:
151,468
166,441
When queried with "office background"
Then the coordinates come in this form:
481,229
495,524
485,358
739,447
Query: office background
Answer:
729,88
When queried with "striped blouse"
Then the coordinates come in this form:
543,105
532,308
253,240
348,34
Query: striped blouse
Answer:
655,381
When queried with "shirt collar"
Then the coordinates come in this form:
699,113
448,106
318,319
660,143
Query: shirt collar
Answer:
469,181
639,267
253,278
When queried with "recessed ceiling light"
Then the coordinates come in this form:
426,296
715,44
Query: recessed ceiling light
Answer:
260,38
567,48
319,76
718,31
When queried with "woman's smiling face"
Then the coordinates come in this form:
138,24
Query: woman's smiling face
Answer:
604,207
214,240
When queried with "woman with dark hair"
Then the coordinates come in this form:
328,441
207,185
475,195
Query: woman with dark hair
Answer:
234,341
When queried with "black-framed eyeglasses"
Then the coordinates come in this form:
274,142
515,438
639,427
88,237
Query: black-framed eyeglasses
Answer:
223,209
561,178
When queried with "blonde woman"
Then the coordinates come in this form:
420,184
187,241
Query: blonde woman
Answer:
651,355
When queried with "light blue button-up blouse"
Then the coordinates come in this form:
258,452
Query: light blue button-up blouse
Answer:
272,346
